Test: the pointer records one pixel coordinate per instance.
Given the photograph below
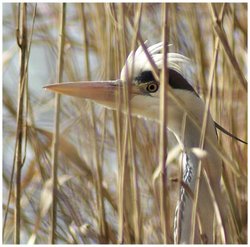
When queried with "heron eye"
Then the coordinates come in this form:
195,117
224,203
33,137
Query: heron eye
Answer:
152,87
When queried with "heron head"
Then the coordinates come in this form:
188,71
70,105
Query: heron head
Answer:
137,74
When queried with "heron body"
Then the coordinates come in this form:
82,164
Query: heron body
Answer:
144,102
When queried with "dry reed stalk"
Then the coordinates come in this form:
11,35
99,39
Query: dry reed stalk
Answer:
118,140
22,43
123,179
55,142
163,130
133,166
98,183
103,231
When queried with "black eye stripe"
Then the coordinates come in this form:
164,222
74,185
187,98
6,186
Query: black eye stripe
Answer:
176,80
145,76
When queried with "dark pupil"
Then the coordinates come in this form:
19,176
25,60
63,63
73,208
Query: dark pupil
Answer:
152,87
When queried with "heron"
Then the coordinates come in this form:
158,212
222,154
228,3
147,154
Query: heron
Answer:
144,102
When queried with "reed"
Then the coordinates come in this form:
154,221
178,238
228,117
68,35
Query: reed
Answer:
55,141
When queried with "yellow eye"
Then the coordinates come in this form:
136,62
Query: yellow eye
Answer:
152,87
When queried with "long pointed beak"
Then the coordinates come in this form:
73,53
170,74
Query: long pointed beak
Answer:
102,92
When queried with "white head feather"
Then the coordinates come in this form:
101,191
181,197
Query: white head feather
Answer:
141,62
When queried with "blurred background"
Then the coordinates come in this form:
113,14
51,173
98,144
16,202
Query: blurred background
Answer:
91,150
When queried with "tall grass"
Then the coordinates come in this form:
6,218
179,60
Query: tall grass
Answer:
109,186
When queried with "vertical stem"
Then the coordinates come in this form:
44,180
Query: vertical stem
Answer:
99,193
121,208
117,120
55,143
133,168
123,136
163,129
99,179
85,43
22,42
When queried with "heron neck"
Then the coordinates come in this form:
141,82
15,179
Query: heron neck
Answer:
189,139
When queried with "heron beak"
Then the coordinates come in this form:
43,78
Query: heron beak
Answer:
102,92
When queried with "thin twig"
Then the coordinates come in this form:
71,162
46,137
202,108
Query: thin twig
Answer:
122,216
22,42
163,129
133,167
13,166
55,142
